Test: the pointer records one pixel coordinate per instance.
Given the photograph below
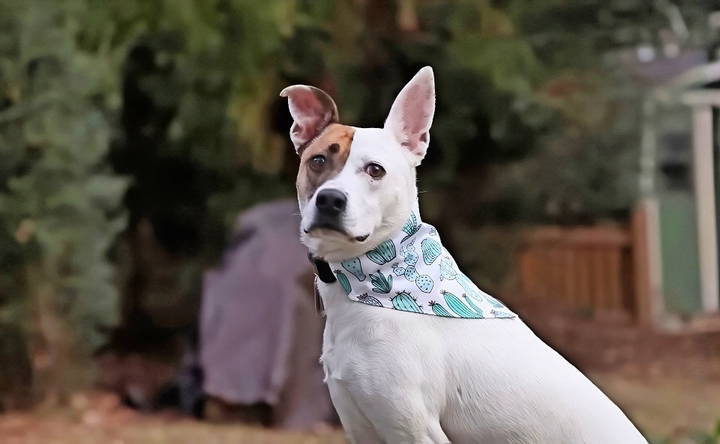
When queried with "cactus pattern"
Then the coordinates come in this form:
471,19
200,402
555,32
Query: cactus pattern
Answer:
458,307
381,283
404,301
431,249
344,281
395,267
472,305
439,310
474,291
411,273
468,285
494,302
354,267
383,253
424,282
447,269
500,314
409,254
411,227
370,300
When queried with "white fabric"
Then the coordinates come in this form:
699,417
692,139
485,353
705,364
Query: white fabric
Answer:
413,272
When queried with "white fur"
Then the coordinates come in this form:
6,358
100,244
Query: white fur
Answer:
411,114
397,377
375,207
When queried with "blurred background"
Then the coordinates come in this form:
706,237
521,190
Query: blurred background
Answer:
152,287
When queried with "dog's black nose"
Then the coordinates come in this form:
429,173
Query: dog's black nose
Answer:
330,202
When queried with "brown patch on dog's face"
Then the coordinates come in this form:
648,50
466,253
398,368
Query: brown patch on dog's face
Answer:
334,145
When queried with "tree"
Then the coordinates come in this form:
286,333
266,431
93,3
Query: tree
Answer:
58,199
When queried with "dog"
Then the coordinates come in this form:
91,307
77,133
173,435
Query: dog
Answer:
400,368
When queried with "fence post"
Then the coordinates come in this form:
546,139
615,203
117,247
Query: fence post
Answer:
641,233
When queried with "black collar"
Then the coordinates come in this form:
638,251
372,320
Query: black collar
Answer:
322,270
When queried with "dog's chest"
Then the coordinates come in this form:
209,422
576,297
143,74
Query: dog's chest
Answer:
491,380
353,331
361,340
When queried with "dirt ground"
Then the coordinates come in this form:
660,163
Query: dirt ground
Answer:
667,382
665,407
662,407
98,418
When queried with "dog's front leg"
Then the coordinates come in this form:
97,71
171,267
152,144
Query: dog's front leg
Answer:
357,427
391,417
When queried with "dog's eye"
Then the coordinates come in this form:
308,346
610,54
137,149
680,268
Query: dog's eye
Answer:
374,170
318,162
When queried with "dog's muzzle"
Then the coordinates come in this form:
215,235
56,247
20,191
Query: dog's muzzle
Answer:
330,205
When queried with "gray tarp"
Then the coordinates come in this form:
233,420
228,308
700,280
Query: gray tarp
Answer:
260,335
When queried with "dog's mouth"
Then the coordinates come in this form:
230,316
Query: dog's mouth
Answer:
328,226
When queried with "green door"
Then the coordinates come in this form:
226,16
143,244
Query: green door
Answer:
680,259
677,212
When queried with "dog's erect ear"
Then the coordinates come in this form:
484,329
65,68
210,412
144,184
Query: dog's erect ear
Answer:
412,112
312,109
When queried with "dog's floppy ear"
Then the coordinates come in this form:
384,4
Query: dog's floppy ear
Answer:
412,113
312,110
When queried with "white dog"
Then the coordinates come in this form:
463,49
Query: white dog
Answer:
402,364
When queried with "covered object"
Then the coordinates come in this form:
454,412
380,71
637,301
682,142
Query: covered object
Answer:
260,334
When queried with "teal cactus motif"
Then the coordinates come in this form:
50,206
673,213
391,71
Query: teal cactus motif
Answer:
439,310
398,270
381,283
383,253
494,302
370,300
457,306
447,269
344,281
405,302
424,282
411,227
501,314
354,267
472,305
431,250
409,254
469,286
411,273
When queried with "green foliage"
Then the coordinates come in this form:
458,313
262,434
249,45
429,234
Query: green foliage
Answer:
711,437
59,201
583,166
698,437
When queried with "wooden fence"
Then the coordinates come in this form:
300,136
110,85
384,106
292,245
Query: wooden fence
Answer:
582,268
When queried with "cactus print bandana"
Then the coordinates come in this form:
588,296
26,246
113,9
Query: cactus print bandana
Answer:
414,272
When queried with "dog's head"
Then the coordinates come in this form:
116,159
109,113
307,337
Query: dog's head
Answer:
356,186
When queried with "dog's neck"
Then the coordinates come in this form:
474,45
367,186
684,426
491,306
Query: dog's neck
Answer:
411,271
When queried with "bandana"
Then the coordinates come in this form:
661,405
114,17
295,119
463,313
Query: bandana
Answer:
413,272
